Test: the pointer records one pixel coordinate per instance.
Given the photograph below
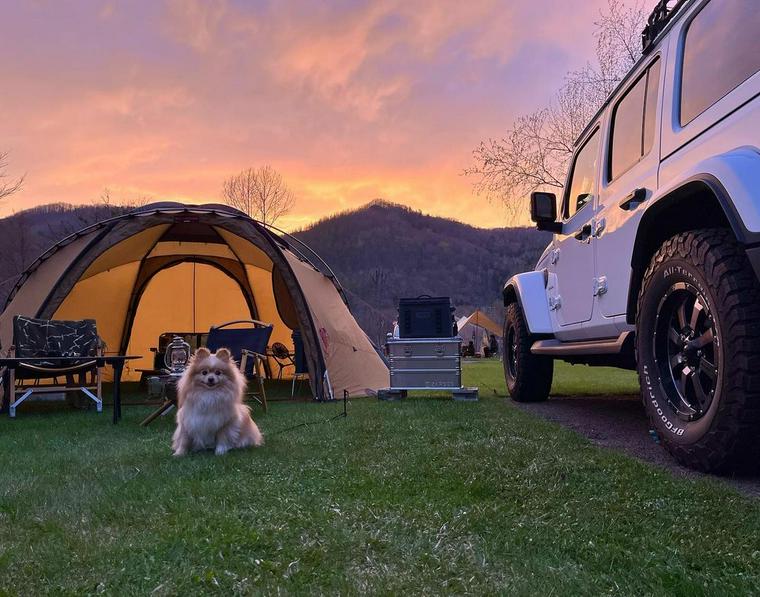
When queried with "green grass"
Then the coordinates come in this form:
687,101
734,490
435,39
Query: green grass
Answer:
569,380
422,496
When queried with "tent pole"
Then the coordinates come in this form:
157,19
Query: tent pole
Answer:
194,328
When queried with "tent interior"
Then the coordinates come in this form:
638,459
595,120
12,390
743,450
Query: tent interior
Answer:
178,278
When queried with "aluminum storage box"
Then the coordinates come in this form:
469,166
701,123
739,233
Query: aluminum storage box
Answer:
425,363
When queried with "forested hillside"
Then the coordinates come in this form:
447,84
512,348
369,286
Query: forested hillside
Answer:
384,251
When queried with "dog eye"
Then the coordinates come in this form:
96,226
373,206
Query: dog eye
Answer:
218,372
204,372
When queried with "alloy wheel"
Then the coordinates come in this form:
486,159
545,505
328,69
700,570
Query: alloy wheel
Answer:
686,351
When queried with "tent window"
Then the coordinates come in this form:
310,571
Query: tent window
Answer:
192,232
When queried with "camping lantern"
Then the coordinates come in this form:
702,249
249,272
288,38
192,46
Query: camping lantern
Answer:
177,355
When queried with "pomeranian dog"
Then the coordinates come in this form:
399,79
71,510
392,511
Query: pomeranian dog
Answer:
211,413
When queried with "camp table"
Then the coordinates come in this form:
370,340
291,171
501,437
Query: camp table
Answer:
114,361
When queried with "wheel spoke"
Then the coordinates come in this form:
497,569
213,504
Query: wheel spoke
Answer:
696,311
687,375
674,336
681,314
681,382
699,391
676,361
707,368
703,340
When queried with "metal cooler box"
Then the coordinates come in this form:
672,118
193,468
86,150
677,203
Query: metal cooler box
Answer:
425,363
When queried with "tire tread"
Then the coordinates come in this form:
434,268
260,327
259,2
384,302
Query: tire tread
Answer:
731,440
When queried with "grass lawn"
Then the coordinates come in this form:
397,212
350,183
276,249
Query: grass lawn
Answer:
426,495
569,380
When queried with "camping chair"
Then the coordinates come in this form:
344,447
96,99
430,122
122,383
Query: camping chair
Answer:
282,357
248,346
74,340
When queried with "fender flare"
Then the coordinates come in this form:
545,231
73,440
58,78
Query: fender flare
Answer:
732,178
528,290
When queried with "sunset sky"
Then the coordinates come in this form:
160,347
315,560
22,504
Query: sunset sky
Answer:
350,101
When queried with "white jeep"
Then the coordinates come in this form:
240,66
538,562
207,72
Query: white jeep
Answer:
655,259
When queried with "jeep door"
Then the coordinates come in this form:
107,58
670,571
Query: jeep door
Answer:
629,177
573,255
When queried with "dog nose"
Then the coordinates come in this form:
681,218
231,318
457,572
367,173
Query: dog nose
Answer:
211,381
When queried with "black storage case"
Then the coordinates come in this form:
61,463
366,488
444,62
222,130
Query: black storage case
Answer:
425,317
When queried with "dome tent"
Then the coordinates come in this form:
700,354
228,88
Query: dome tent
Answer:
175,267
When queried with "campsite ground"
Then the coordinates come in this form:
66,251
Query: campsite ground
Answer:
421,496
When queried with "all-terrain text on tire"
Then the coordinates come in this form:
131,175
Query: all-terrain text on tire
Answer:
654,262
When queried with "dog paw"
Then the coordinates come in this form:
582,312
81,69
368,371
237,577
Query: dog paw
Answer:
179,453
220,450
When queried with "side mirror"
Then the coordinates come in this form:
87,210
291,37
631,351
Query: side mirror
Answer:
543,211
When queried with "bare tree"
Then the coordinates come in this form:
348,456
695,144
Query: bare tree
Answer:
116,206
535,151
7,188
259,192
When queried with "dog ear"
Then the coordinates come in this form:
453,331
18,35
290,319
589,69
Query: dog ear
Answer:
202,353
223,354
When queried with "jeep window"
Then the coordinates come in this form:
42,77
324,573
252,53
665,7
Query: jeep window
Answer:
633,123
720,52
582,178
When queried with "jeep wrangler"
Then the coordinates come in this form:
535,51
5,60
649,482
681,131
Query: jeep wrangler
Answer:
655,260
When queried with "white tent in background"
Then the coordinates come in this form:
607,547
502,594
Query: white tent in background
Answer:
478,328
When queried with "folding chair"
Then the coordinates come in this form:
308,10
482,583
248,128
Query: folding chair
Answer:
40,338
282,357
248,346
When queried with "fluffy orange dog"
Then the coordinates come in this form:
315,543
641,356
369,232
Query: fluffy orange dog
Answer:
211,413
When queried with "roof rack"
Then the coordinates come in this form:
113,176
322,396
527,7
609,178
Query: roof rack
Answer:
657,21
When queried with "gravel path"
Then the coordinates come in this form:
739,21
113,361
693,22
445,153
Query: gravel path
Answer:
620,423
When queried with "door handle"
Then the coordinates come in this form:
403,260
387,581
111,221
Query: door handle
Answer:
584,234
633,199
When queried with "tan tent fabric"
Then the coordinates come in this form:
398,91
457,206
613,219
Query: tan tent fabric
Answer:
131,249
172,267
248,253
345,346
99,297
36,288
197,249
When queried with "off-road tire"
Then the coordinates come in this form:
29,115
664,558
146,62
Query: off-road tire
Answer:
721,433
528,376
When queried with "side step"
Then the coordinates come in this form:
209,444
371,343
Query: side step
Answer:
556,348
